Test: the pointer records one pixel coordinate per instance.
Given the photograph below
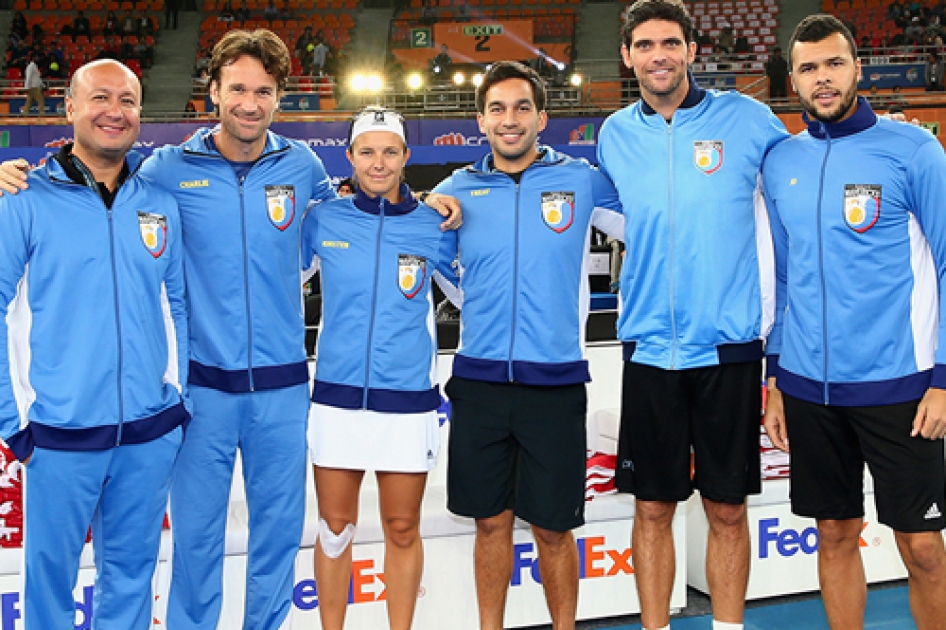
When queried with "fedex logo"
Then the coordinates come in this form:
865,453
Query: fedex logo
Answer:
367,585
10,611
595,560
789,541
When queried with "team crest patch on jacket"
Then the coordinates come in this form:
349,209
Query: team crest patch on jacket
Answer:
861,206
411,271
558,210
281,205
708,155
154,232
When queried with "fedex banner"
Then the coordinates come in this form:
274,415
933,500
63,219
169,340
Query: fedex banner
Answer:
444,133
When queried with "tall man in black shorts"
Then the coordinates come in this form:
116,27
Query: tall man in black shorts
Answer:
697,302
517,437
857,357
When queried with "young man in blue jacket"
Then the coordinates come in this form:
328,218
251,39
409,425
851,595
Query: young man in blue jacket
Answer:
696,288
857,358
89,390
517,435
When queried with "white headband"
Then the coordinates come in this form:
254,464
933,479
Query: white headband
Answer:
377,120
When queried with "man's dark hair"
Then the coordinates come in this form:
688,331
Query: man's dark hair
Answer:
503,70
666,10
818,27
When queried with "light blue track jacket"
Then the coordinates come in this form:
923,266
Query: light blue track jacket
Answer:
859,221
523,267
85,362
242,258
697,284
377,348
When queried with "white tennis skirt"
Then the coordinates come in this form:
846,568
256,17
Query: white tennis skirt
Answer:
358,439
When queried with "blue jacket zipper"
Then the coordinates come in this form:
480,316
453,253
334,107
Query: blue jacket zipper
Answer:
374,303
515,285
824,288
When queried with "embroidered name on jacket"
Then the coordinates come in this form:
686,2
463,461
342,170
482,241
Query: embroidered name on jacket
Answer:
281,205
197,183
154,232
411,271
708,155
861,206
558,210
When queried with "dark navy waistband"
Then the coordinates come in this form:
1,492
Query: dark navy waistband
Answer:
524,372
97,438
381,400
238,381
866,394
726,352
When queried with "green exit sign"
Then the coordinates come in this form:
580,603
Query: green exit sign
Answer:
421,38
932,126
481,30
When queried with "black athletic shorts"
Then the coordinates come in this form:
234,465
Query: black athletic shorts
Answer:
713,412
829,446
517,447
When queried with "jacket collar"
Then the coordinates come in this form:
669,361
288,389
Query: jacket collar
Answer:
372,205
694,97
863,118
55,168
200,144
547,156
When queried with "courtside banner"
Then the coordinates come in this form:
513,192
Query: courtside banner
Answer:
318,135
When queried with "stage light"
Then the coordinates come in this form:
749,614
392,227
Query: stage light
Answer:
458,78
575,80
373,83
358,82
415,81
477,79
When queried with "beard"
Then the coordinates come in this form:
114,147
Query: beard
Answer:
844,106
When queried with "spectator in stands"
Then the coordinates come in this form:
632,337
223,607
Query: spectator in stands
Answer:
18,26
129,25
190,108
126,50
864,46
56,54
934,73
145,25
80,26
271,11
319,57
203,61
286,12
144,53
726,40
776,69
19,55
226,13
109,50
34,87
171,9
895,13
935,26
302,50
346,187
441,64
428,13
914,31
37,35
111,25
742,45
242,14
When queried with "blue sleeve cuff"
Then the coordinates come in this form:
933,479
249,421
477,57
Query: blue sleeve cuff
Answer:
771,366
21,443
939,376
